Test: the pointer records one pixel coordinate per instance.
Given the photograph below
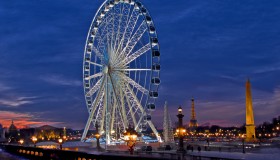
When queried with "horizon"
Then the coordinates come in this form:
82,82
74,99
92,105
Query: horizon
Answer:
207,124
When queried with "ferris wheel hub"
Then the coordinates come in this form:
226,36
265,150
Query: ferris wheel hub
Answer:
105,69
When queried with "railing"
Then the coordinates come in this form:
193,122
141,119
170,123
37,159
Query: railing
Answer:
55,154
47,154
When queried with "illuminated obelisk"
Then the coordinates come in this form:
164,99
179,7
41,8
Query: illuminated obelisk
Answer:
168,134
250,124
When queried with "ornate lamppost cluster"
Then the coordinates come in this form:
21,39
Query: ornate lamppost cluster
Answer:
180,131
97,136
21,141
130,136
243,145
60,141
34,140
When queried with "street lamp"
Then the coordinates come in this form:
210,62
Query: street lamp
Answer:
208,143
243,141
181,131
97,136
34,140
21,141
130,136
60,140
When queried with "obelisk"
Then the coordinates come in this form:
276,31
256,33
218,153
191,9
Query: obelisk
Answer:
250,124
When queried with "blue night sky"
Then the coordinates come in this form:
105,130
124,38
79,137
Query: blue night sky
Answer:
208,50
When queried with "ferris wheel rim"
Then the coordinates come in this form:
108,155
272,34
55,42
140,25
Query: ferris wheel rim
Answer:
105,67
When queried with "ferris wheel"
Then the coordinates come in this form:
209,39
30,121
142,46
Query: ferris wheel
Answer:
121,69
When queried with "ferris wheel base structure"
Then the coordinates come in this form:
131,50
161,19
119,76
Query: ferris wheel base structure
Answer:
121,69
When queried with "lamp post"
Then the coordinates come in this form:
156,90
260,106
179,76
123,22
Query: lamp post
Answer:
34,140
243,141
97,136
260,138
208,143
21,141
60,140
180,130
130,136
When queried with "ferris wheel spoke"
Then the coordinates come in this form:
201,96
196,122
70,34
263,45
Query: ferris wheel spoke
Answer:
110,30
96,64
101,33
109,37
93,108
106,20
98,99
132,105
122,107
134,39
94,76
136,54
117,28
124,122
133,98
95,88
102,42
98,53
134,101
96,117
132,69
135,84
113,32
129,29
117,25
131,111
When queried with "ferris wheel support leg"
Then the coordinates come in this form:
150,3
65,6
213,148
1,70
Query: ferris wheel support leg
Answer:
123,111
131,112
113,116
154,130
86,129
108,115
103,116
137,126
92,113
121,104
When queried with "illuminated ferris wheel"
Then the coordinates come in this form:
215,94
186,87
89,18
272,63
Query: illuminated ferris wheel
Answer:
121,72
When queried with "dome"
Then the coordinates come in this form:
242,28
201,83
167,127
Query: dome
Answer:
12,127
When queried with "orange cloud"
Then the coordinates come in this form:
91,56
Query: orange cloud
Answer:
21,120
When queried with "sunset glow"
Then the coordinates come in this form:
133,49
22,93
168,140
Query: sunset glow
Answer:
21,120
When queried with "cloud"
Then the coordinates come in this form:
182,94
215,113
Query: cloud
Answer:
14,103
267,69
17,101
22,120
10,98
59,80
269,105
4,87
